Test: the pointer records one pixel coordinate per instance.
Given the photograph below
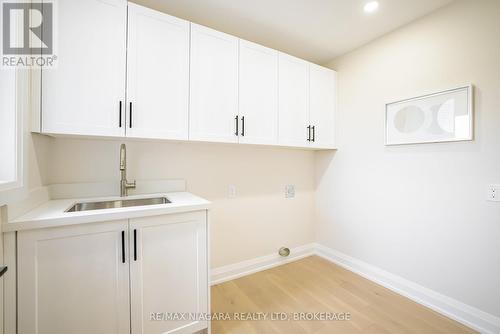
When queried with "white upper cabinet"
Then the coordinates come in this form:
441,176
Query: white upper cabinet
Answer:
157,75
82,94
322,104
307,102
214,86
177,80
258,94
293,101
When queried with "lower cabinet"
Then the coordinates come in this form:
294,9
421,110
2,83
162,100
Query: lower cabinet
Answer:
168,273
132,276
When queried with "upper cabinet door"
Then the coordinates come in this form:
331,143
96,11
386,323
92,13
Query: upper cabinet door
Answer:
157,75
258,94
322,105
82,95
293,101
214,85
168,272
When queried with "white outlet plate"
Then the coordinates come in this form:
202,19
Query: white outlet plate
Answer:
231,191
493,193
290,191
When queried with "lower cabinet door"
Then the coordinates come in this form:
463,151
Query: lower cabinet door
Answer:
169,273
74,279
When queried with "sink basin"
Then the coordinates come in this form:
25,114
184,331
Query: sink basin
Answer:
122,203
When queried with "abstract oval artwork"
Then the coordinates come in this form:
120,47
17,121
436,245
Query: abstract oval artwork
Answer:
409,119
446,116
438,117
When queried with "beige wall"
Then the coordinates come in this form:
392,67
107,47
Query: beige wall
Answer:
419,211
255,223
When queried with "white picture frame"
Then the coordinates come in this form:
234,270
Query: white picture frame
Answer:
444,116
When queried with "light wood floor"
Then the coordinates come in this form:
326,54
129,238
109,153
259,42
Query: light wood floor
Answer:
316,285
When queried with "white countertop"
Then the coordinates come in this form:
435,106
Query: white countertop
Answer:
52,213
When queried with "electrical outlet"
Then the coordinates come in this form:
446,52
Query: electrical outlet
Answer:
290,191
231,191
494,193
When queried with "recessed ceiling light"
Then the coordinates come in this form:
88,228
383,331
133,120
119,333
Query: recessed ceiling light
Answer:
371,6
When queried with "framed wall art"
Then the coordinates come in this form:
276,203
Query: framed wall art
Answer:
438,117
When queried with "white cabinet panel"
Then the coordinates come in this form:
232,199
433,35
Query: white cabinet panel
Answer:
293,101
183,82
214,85
168,269
73,280
158,75
258,94
82,94
322,104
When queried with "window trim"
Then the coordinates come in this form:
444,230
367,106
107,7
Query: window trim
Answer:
19,120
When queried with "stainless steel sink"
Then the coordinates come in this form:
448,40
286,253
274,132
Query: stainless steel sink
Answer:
122,203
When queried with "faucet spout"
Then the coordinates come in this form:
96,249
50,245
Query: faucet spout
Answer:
124,184
123,157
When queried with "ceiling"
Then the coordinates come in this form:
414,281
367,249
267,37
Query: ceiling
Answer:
316,30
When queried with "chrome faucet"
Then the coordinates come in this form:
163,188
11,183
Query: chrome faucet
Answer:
124,184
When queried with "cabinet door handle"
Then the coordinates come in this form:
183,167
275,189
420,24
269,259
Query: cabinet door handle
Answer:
120,114
237,123
314,133
135,245
130,115
309,133
123,246
243,126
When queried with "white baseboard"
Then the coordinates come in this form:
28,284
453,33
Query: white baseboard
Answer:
240,269
454,309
